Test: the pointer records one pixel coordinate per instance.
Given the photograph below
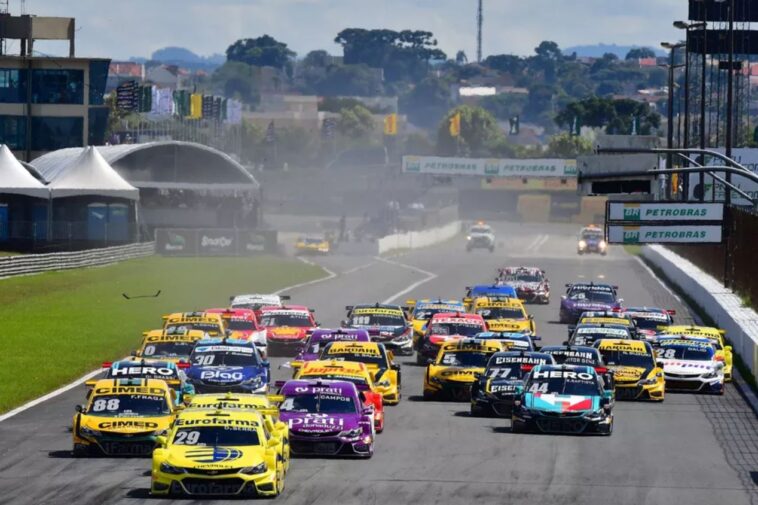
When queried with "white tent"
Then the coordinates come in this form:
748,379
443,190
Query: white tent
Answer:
15,179
90,174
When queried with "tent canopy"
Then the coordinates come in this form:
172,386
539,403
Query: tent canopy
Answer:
89,174
15,179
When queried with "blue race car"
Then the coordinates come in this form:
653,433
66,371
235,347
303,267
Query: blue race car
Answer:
563,399
221,365
491,290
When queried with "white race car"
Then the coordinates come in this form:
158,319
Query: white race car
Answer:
690,364
256,301
480,236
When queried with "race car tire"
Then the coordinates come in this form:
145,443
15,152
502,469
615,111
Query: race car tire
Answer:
428,396
80,451
517,427
563,319
420,359
609,432
477,411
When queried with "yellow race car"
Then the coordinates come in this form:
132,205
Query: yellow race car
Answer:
504,314
636,373
227,452
421,311
265,404
384,372
123,417
715,335
457,367
172,345
312,245
213,325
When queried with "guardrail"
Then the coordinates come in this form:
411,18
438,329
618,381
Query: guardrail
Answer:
35,263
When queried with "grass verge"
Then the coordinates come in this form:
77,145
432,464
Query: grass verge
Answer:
58,326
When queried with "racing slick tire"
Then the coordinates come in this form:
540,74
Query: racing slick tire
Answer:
80,451
428,396
517,427
477,411
420,359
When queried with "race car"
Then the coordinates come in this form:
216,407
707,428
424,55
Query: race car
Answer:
456,368
166,371
563,399
587,334
445,327
690,364
531,283
479,290
606,318
504,314
480,236
320,337
173,345
123,417
312,245
715,335
509,341
423,310
650,320
386,324
591,240
220,365
256,302
243,324
327,418
587,296
212,324
384,371
265,404
287,327
636,373
349,371
218,452
494,390
582,356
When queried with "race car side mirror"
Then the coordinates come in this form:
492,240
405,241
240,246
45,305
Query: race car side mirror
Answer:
395,367
345,322
79,408
133,353
563,297
565,342
265,363
160,441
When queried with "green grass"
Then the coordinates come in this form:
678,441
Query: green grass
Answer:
57,326
633,250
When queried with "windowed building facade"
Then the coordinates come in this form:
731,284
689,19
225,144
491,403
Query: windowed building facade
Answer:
49,103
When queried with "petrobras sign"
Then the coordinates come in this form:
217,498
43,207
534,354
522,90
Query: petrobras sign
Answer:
664,234
747,157
482,167
664,212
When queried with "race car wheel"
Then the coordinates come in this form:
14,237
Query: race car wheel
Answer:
478,411
420,360
80,451
517,427
428,395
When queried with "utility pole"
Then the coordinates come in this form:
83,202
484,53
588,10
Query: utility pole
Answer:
730,97
479,23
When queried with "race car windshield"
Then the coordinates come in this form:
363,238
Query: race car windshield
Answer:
228,358
592,296
624,358
467,330
355,379
240,325
319,404
423,314
297,320
465,359
523,277
313,241
649,322
369,359
480,230
184,327
501,313
564,387
575,357
592,235
694,353
128,406
378,320
168,350
252,305
214,436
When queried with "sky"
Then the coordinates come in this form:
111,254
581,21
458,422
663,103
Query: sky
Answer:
120,29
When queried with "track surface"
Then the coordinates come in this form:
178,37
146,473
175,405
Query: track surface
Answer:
690,449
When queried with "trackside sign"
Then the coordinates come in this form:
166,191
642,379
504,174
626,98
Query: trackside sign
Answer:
436,165
664,234
664,212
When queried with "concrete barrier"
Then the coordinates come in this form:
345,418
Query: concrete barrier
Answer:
718,302
419,239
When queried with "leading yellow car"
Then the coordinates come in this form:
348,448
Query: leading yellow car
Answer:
421,311
218,453
636,373
213,325
504,314
716,335
173,345
457,367
312,245
123,417
384,372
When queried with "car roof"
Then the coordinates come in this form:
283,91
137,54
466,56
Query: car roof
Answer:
103,386
286,308
457,315
353,345
620,344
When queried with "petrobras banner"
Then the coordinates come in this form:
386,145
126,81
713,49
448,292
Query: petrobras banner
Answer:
664,211
747,157
482,167
664,234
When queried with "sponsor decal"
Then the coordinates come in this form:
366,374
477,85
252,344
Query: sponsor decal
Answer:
317,420
220,242
215,422
524,360
116,425
563,374
129,390
566,403
170,338
141,370
213,454
502,388
222,376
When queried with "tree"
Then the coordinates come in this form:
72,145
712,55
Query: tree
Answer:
355,122
639,53
565,145
615,116
261,51
540,101
461,58
504,106
349,80
508,63
234,79
426,103
317,59
479,131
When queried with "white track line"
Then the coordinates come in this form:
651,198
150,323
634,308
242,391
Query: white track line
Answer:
77,382
532,243
357,269
429,276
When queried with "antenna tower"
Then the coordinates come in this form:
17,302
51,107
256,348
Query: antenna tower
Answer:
479,23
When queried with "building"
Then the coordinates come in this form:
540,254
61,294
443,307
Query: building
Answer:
48,102
122,71
168,76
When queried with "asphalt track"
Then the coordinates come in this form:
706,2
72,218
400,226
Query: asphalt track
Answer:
690,449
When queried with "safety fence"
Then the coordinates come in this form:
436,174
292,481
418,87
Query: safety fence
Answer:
35,263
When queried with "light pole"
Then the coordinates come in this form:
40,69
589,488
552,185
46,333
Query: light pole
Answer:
670,119
729,93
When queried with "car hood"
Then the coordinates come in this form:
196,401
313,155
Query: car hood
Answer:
508,324
187,456
687,367
123,425
503,387
381,331
319,423
588,306
552,402
224,373
629,373
286,333
455,374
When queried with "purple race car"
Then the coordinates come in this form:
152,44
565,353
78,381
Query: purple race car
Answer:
320,337
327,418
587,296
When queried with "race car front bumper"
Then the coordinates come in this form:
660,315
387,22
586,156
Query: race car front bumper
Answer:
305,444
289,346
599,422
532,296
694,383
493,406
636,391
222,482
439,389
202,387
428,351
399,346
113,444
